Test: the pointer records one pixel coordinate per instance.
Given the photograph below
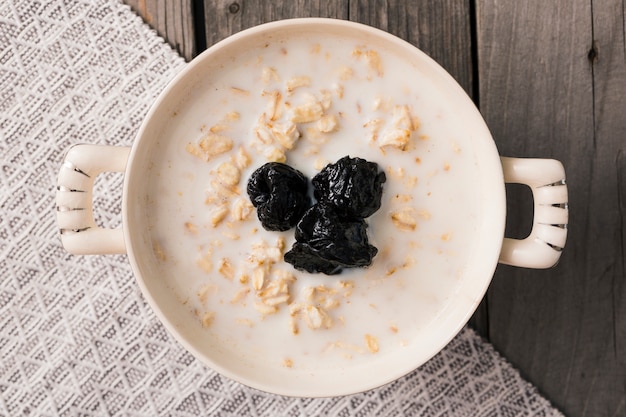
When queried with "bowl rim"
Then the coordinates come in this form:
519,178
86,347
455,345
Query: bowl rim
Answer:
491,175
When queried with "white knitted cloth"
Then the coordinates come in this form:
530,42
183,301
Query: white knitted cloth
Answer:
76,336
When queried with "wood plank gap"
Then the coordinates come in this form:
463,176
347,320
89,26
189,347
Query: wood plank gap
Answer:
615,296
199,22
593,56
473,22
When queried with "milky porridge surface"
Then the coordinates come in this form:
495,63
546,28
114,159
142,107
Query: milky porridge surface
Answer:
309,103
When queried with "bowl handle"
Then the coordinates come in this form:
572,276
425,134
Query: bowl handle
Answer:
79,233
546,179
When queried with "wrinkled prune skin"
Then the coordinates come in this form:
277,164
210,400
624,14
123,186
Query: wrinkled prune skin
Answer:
280,195
327,242
304,258
353,185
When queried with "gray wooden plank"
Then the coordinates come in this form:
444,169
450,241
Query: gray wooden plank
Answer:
441,29
609,188
173,20
225,17
543,94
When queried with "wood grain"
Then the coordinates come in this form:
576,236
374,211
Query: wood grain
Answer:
441,29
173,20
545,92
225,17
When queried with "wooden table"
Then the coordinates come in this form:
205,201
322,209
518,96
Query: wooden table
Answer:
550,80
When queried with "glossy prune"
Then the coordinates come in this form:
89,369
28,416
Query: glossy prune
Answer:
280,195
353,185
327,242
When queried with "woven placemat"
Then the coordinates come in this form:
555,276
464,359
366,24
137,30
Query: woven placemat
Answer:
76,336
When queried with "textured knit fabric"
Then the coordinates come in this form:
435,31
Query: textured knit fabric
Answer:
76,336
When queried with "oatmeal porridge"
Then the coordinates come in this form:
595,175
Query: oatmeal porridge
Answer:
307,104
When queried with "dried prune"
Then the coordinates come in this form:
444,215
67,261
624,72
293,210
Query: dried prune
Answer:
280,195
327,242
304,258
353,185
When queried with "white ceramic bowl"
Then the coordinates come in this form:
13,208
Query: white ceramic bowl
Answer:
488,246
